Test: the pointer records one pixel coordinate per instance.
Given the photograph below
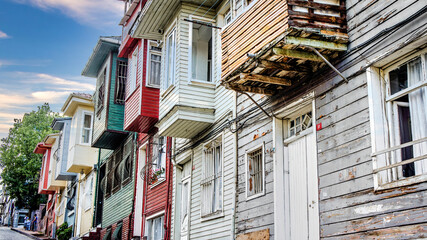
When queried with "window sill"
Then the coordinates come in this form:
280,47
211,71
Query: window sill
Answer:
167,91
211,216
152,86
202,83
403,182
157,183
248,198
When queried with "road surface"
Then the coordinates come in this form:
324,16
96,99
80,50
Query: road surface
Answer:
7,234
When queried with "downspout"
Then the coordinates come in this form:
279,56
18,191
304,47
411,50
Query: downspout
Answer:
145,186
168,182
233,222
95,203
77,205
132,214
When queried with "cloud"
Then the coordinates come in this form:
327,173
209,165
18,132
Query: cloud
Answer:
28,63
63,83
93,12
3,35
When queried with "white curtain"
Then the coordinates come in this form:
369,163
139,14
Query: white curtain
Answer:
418,111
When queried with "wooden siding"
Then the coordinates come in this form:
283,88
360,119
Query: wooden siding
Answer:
119,204
265,21
115,111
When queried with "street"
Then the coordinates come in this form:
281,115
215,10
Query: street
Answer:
7,234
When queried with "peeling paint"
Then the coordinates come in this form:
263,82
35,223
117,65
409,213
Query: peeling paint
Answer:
375,208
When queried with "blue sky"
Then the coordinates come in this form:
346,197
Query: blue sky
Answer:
44,45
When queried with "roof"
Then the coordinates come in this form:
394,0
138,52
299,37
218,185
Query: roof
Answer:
102,49
58,123
41,148
75,99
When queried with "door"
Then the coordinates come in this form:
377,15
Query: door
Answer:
185,199
300,152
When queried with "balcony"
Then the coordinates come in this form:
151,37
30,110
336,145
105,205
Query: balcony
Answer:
276,45
60,154
45,149
110,72
128,21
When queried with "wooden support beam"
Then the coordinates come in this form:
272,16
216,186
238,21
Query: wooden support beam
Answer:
319,44
297,54
242,88
264,79
282,66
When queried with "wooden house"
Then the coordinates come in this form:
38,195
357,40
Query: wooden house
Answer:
152,200
81,159
47,182
193,106
331,125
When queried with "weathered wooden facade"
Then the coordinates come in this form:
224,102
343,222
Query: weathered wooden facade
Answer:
323,136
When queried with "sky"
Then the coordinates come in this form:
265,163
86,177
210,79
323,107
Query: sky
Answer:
44,46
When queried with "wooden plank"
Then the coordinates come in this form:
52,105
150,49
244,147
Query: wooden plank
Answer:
282,66
297,54
315,5
264,79
257,235
395,219
242,88
418,231
319,44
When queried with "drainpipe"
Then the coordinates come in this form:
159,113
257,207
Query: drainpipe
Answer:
233,222
95,203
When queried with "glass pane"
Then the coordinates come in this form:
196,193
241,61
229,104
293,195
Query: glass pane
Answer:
85,137
87,121
398,79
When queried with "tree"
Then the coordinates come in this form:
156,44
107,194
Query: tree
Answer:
22,166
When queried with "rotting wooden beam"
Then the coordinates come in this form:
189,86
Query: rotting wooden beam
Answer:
297,54
282,66
264,79
242,88
315,43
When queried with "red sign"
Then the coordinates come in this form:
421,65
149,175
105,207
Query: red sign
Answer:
318,126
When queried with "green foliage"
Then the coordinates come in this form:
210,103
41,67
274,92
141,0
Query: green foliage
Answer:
64,232
22,166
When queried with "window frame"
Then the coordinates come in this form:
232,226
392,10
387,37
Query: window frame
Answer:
83,128
383,122
124,78
165,84
155,158
190,50
249,151
132,77
149,221
126,179
148,72
100,103
219,212
88,193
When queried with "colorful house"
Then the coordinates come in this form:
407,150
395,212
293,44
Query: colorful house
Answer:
152,215
81,160
117,147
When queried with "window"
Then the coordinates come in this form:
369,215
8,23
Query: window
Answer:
227,17
87,204
159,159
299,124
201,52
117,176
155,59
211,184
170,60
86,128
122,68
127,162
240,5
255,172
398,110
101,91
154,229
109,177
133,67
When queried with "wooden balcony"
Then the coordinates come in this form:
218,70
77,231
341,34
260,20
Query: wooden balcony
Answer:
275,45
